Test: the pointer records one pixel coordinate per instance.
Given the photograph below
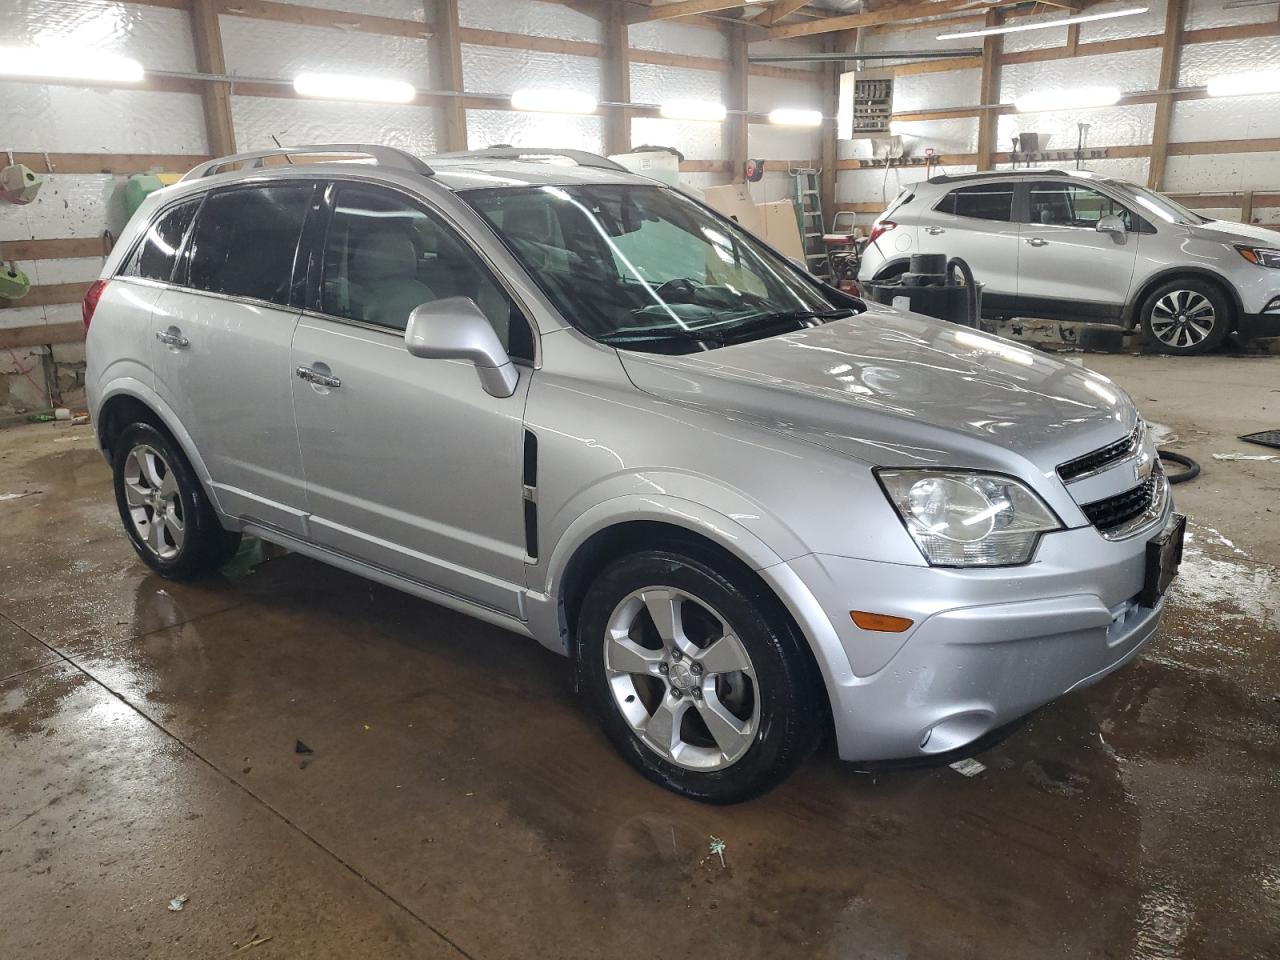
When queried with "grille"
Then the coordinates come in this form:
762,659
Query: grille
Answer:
1095,461
1116,511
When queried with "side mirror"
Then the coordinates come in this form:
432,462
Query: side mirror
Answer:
1113,225
456,329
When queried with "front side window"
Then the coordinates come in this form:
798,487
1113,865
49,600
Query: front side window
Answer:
384,255
646,268
246,239
1072,205
983,201
158,251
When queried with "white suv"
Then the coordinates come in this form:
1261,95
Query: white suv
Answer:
1075,246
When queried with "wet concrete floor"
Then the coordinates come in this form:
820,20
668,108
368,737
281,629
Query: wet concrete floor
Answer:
459,803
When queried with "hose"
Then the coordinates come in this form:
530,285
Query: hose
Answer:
971,288
1192,468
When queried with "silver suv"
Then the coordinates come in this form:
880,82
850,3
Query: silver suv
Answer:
1075,246
579,405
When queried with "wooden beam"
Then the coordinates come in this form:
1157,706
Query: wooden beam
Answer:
736,126
446,52
47,294
1171,53
116,163
989,92
317,17
1246,207
777,10
837,43
216,94
617,80
853,21
685,8
39,334
63,248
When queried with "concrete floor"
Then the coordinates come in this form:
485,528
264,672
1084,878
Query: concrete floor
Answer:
459,803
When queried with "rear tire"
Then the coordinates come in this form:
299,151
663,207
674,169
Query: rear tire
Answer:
1186,317
697,675
164,508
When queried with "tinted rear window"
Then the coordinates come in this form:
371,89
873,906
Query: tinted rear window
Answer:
159,249
245,241
983,201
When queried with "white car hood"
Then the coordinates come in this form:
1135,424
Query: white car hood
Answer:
1228,231
894,388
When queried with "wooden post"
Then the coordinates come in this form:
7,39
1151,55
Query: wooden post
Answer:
989,93
736,127
1246,207
840,43
446,52
1170,55
216,94
617,79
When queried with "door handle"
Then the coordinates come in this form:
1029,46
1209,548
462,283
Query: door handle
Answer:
172,338
1038,242
934,231
312,375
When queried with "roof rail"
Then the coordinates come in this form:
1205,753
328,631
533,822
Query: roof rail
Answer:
383,156
581,157
987,174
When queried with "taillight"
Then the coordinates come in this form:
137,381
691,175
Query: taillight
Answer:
90,303
884,226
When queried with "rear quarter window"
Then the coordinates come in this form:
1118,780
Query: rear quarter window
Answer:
982,201
158,252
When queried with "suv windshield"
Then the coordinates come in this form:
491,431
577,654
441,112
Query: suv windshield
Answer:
1160,206
644,268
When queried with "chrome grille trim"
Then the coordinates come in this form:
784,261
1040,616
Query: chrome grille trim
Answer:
1149,498
1104,458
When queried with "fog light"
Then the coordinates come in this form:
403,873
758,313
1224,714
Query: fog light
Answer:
880,622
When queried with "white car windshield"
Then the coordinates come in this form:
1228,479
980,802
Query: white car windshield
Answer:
1161,206
644,268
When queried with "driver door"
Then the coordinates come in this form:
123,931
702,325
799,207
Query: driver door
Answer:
409,464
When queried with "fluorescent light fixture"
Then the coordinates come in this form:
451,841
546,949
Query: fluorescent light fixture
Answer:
1042,24
553,101
337,86
789,117
1240,84
693,110
64,63
1074,99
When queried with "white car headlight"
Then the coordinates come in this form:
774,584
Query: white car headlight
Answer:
1262,256
962,519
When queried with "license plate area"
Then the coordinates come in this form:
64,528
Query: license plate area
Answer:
1164,554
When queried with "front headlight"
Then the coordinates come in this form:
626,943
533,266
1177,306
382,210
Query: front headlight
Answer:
1262,256
968,519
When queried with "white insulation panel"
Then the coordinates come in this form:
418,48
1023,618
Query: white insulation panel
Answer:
1029,40
504,71
1221,172
768,142
1202,14
157,38
62,119
880,185
487,127
261,48
696,140
668,36
71,270
935,91
530,18
396,9
653,83
67,206
1226,118
34,317
1121,28
258,119
1108,126
878,39
953,135
770,93
1202,61
787,48
1137,70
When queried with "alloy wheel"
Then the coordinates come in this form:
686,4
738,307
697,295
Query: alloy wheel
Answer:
681,678
155,507
1183,319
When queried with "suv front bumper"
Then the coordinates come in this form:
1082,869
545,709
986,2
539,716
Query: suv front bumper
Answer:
985,647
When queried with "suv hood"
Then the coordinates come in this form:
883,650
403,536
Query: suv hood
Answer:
897,389
1228,230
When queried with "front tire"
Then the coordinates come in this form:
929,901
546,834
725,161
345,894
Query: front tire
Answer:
697,675
1186,317
164,509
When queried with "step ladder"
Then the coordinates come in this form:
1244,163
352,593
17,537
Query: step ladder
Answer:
808,203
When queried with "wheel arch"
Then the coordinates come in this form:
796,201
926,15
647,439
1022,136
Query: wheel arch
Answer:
1135,303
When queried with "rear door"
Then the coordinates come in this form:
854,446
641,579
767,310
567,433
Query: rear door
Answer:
222,349
1066,268
976,223
410,464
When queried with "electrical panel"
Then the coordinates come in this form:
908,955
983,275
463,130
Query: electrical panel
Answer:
866,104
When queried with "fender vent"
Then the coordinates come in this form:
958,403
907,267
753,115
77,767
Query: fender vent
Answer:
531,494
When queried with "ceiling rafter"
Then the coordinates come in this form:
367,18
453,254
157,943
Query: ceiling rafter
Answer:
684,8
777,10
899,12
